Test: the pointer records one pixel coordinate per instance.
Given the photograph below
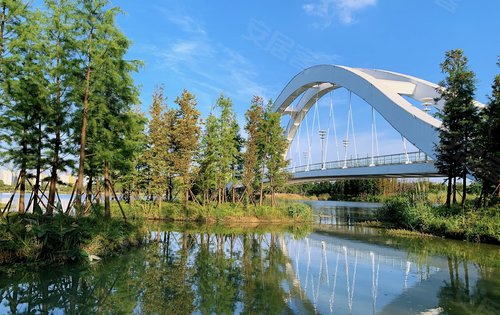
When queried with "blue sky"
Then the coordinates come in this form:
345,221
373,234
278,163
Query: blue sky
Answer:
243,48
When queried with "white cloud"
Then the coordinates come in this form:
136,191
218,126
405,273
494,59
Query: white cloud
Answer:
208,68
187,24
327,10
190,48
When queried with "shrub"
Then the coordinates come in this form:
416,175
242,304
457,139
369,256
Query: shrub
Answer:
454,222
30,237
300,211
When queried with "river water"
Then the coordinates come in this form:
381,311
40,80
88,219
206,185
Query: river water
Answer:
331,267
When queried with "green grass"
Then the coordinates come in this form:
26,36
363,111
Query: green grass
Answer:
284,212
41,239
481,225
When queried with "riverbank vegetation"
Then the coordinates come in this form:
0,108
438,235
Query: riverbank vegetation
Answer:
370,190
482,225
469,147
69,104
35,238
285,212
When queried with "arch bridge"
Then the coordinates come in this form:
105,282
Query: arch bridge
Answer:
406,103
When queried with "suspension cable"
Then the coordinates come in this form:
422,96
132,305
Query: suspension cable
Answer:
316,118
352,126
331,120
376,133
307,156
373,138
297,140
345,142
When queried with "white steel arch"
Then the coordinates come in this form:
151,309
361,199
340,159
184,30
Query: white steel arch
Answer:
384,90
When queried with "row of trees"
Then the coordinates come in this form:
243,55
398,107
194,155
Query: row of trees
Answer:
346,189
66,90
214,163
469,138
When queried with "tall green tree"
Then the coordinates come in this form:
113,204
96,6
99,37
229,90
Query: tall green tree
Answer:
131,172
221,147
229,146
111,119
460,120
208,159
62,69
487,158
251,168
93,16
272,148
158,155
186,132
23,94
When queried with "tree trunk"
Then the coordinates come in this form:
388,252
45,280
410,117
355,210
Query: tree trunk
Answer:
57,141
272,191
233,189
22,187
88,194
262,185
22,190
159,205
454,190
83,135
2,25
36,188
464,188
107,206
448,193
53,174
170,189
132,197
98,193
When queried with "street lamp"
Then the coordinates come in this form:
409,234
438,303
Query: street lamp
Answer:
306,158
322,136
345,142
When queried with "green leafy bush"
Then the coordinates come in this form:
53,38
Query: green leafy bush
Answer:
37,238
454,222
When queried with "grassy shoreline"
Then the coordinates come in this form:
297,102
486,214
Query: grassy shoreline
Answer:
38,239
285,212
482,225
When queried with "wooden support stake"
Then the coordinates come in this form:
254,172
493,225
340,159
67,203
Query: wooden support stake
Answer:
71,198
194,197
9,203
117,200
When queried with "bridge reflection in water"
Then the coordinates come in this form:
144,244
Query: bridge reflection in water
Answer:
217,270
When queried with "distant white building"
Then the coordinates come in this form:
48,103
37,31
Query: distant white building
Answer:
67,178
10,178
7,177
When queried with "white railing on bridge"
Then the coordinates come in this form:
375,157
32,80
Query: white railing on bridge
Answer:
391,159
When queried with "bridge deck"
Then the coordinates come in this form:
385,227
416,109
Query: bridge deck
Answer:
414,164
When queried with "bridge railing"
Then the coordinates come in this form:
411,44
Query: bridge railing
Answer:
391,159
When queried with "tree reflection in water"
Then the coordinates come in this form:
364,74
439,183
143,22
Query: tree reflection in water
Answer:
210,270
176,273
457,297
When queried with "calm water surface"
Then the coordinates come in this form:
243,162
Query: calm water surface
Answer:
332,267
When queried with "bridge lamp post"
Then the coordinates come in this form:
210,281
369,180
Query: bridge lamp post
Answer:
345,142
322,136
306,158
